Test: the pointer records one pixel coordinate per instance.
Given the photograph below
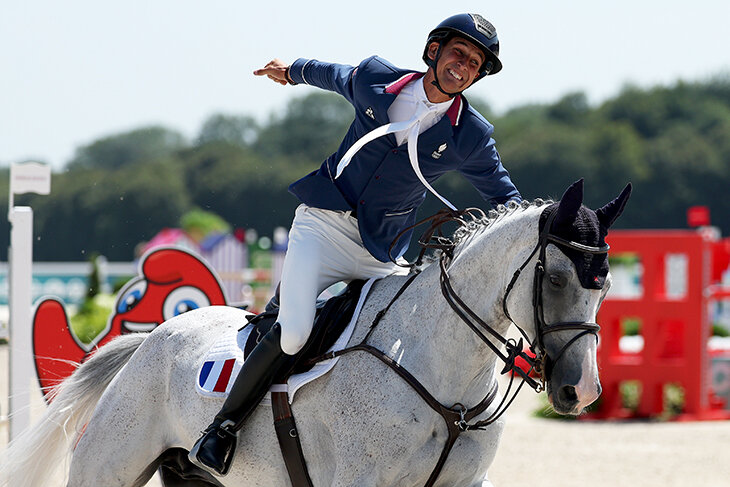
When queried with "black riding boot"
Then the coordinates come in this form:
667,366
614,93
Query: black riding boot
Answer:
214,450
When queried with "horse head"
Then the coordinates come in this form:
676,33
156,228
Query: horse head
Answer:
571,280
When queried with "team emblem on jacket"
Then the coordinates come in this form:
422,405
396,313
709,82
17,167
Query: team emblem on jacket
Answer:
369,112
439,152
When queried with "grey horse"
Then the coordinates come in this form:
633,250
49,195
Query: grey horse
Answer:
361,424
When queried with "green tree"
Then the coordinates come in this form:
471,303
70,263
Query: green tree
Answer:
116,151
94,280
571,109
245,189
311,128
544,159
615,156
671,142
237,130
108,212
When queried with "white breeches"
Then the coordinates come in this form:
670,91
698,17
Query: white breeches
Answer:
324,248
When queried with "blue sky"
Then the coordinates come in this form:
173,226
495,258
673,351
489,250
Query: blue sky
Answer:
78,70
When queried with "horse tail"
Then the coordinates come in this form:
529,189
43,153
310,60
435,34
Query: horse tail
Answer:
37,453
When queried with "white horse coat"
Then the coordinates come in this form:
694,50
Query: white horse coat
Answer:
361,424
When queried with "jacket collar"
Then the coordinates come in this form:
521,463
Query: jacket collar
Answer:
454,111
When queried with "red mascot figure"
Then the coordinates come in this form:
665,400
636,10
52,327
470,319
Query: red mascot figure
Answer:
170,281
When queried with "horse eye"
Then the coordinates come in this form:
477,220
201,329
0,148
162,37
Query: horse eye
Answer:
556,281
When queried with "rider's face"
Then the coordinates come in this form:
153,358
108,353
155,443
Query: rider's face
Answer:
459,63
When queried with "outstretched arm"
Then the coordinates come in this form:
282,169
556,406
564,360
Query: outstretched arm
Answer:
328,76
277,71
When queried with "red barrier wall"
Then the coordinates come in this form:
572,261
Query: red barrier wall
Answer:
675,328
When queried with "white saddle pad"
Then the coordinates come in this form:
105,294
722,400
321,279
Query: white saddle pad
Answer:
224,360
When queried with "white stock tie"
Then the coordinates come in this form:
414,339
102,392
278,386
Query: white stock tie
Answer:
413,126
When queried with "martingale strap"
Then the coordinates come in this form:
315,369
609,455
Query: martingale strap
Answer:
455,417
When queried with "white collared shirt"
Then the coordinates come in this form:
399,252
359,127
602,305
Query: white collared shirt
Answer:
404,107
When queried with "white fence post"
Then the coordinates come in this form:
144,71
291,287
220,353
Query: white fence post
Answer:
27,177
20,259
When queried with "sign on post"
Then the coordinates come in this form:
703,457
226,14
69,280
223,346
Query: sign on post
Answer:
28,177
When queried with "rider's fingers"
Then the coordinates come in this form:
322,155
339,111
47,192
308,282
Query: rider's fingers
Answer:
271,65
274,70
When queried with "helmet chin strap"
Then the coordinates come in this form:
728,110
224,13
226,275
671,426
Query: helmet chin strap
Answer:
432,64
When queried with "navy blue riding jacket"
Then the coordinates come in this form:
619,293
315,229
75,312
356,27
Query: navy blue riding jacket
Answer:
379,185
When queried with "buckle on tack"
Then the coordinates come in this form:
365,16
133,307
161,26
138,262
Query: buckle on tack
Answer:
461,423
514,350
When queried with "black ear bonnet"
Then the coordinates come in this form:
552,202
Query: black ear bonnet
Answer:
577,223
585,229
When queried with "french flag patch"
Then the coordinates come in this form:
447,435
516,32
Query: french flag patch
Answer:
221,364
215,376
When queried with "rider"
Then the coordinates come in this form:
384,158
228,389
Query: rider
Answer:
351,213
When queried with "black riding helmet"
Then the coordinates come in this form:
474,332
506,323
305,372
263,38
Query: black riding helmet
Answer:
474,28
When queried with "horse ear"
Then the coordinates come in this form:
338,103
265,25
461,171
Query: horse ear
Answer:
613,209
570,203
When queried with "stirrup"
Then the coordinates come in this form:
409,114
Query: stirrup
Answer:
226,428
225,432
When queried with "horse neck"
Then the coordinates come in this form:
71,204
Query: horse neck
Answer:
425,335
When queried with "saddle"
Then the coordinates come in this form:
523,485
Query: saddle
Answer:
331,318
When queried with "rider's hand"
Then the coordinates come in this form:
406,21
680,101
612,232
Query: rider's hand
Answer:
276,70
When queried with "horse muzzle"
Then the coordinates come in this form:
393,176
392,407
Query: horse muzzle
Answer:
572,380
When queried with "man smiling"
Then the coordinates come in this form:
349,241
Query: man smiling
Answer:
409,129
459,65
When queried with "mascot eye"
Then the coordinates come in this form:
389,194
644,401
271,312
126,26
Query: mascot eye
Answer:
131,296
183,299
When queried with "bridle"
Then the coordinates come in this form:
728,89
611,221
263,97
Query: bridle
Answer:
541,362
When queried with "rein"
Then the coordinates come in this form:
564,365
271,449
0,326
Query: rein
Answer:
457,417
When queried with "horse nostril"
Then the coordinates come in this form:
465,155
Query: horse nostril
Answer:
567,395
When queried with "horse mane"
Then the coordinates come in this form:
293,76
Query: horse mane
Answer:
479,222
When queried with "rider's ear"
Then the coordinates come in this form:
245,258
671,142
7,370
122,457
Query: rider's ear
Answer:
570,203
432,50
613,209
